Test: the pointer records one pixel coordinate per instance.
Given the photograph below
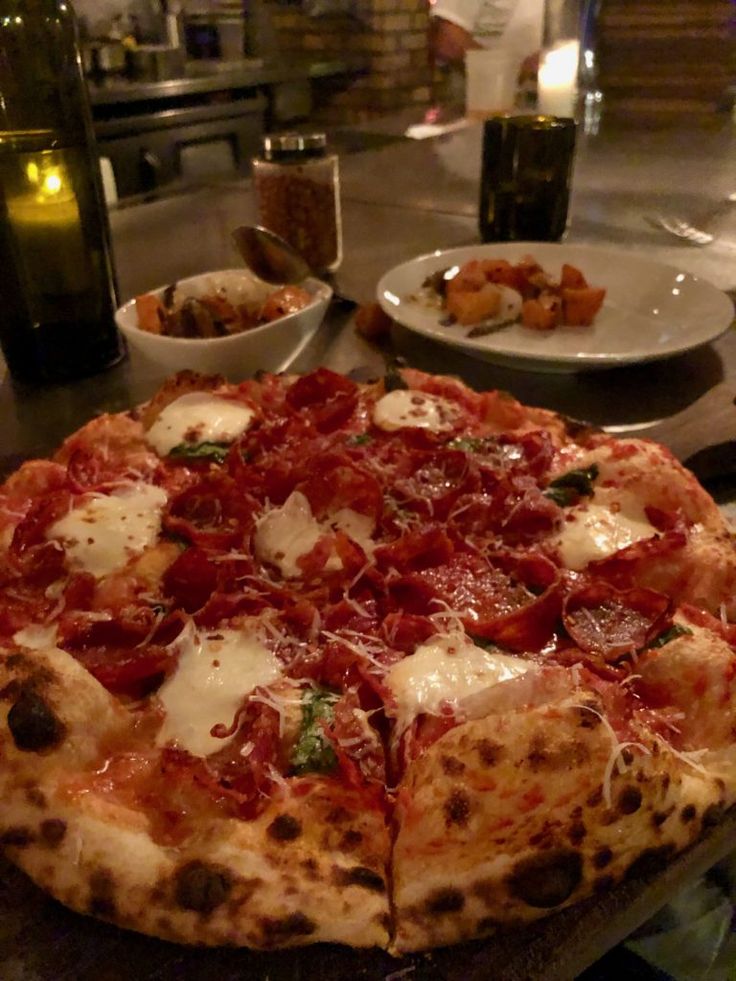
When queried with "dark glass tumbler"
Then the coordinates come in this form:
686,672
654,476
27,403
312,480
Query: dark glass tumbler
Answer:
525,178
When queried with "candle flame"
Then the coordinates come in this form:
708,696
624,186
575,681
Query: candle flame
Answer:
47,178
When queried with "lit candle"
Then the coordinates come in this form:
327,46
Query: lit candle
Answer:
46,224
557,80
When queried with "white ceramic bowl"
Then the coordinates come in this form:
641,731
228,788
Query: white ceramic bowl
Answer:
270,347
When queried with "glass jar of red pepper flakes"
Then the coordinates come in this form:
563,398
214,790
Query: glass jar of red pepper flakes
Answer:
297,183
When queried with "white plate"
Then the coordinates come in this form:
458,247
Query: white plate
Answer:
651,310
270,347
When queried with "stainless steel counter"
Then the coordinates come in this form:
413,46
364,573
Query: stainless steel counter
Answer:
411,197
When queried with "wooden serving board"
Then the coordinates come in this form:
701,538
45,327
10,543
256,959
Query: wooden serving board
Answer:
40,940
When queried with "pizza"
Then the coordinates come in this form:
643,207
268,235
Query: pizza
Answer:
391,664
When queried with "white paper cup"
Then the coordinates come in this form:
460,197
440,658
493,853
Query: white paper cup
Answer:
490,82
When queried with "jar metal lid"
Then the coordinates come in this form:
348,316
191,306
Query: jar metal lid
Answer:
293,146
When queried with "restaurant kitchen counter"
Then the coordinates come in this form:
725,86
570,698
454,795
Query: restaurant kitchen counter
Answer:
205,76
400,200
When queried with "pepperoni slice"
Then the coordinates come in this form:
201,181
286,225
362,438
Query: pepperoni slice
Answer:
128,654
214,512
329,398
623,568
513,600
191,579
613,623
42,514
334,482
435,480
421,548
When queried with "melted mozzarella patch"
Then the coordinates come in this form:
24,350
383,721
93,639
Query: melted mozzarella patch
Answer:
37,637
284,534
419,410
199,417
445,670
102,533
214,674
595,532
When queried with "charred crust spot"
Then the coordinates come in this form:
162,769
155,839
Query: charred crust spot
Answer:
101,894
650,861
361,876
201,887
33,725
629,800
589,715
36,797
544,838
52,831
713,814
452,766
19,837
595,798
666,780
338,815
445,901
537,757
564,756
36,678
457,809
659,817
489,751
350,840
577,832
285,827
277,930
546,879
311,869
688,813
602,857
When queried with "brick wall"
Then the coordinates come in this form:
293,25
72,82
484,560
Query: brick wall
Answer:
390,37
667,57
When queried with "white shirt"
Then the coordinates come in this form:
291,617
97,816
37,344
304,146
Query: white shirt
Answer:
484,19
514,24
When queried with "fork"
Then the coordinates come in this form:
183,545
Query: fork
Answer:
685,230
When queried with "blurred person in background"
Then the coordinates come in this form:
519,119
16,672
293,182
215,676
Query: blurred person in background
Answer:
457,26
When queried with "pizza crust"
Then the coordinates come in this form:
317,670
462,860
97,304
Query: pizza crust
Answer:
310,868
508,818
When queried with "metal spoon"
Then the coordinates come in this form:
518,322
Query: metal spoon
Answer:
274,260
269,256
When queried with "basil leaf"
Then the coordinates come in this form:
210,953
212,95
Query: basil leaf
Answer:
312,752
568,487
201,451
676,630
359,439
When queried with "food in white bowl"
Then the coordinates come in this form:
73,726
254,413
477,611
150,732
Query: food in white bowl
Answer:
228,322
